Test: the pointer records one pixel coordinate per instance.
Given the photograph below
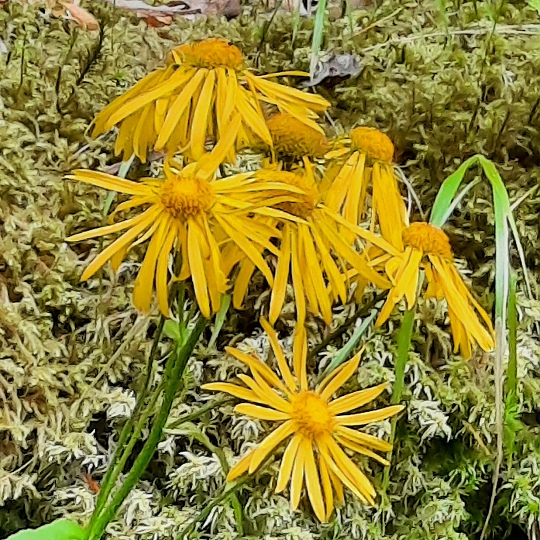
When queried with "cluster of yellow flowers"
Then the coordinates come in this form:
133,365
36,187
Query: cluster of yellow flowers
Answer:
298,220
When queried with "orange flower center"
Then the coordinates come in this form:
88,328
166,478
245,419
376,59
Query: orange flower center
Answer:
427,238
303,205
375,144
310,414
294,139
186,196
210,53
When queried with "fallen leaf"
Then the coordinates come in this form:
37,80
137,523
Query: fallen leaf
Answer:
335,67
78,14
190,9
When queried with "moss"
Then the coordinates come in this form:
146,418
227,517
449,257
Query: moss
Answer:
71,353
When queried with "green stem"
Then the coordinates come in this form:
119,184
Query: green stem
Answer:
208,508
511,373
199,412
128,437
173,380
404,345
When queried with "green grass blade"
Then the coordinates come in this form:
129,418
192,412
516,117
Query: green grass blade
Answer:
511,372
458,198
318,34
220,318
344,353
447,192
501,205
295,24
404,345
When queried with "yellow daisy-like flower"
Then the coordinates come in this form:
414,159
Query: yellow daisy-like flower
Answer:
312,252
202,88
318,425
180,213
294,140
427,248
364,157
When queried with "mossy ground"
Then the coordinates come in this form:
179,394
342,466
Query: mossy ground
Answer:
71,353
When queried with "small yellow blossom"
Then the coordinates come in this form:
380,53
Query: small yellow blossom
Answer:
203,87
427,248
313,255
318,425
294,140
185,212
364,158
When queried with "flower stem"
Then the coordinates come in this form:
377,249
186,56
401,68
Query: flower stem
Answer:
128,435
172,381
404,345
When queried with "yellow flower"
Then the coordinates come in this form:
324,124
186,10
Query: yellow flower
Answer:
427,248
294,140
318,426
363,157
180,213
312,252
202,88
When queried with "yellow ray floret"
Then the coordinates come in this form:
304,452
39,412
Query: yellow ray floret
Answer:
365,158
312,253
180,214
319,428
427,248
203,86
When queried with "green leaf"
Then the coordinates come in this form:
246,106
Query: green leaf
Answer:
534,4
318,34
171,330
58,530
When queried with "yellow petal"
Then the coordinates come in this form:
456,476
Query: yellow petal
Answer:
300,355
368,417
196,268
297,279
364,439
232,389
241,467
178,78
353,473
298,473
313,484
200,117
356,399
287,462
327,488
339,379
263,413
282,275
268,444
280,357
162,272
256,365
144,284
361,450
242,282
127,238
177,109
108,181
